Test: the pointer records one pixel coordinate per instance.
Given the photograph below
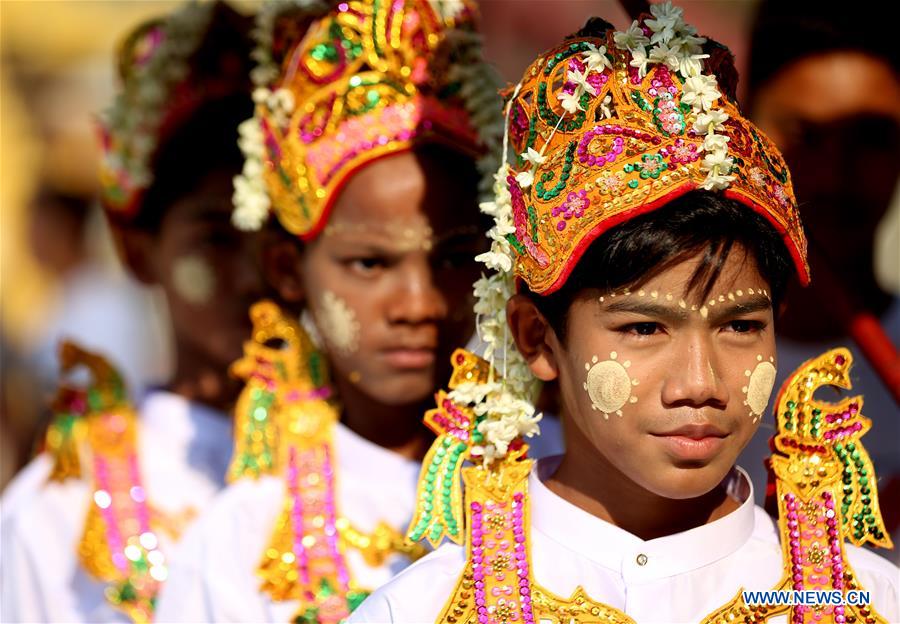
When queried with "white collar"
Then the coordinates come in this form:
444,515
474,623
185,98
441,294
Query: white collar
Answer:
619,550
184,422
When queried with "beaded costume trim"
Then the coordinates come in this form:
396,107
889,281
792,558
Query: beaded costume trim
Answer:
285,425
826,493
96,428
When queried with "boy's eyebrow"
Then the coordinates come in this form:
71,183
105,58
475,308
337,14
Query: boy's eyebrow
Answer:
647,308
715,314
744,306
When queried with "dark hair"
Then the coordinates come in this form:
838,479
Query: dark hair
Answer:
634,252
204,142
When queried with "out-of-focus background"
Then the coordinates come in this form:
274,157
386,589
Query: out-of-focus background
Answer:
58,270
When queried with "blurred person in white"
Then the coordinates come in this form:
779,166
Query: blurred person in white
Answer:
170,155
829,96
96,305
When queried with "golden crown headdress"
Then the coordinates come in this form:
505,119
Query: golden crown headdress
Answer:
168,67
609,125
368,79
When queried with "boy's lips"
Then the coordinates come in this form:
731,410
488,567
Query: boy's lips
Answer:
410,357
693,442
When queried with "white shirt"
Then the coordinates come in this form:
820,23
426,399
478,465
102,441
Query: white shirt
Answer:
184,453
214,578
685,576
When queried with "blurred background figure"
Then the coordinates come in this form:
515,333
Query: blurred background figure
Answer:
828,93
58,272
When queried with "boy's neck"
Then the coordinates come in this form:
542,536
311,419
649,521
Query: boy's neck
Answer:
197,379
588,481
397,428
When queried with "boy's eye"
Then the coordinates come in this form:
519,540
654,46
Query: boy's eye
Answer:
743,326
367,265
642,329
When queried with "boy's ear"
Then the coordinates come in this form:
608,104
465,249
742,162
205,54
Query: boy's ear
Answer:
534,337
281,264
135,249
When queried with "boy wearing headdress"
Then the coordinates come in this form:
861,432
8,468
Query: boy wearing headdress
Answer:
119,486
652,230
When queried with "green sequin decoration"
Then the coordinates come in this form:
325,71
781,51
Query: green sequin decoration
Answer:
545,194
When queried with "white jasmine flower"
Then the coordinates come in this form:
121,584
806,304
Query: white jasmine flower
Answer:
710,121
715,182
667,20
534,157
581,82
596,58
700,92
717,162
605,110
690,43
639,60
525,178
632,38
715,143
667,55
496,261
691,65
570,101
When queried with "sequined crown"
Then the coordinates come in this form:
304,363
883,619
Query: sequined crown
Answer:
168,67
367,80
609,125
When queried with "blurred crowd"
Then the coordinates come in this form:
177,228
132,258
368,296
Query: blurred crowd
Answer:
828,94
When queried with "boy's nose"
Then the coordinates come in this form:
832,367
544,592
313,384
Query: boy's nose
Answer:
697,380
417,298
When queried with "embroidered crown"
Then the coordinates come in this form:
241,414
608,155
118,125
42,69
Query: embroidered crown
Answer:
367,80
609,125
168,68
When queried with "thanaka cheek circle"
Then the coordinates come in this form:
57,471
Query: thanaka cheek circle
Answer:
194,279
608,384
760,382
338,323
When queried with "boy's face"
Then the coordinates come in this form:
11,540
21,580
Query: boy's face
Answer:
389,280
208,270
666,387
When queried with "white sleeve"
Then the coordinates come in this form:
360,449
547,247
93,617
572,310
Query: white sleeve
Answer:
418,594
183,596
212,574
20,586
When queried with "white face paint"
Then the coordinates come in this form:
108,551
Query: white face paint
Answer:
702,310
193,279
608,384
338,323
761,381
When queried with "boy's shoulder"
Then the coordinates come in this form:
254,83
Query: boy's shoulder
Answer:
419,592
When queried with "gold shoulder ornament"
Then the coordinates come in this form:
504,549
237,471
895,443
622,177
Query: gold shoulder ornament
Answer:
95,431
826,493
286,422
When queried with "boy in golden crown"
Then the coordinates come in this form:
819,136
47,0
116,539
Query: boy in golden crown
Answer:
644,236
369,120
92,540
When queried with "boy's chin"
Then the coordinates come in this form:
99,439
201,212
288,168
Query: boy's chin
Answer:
681,482
400,390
